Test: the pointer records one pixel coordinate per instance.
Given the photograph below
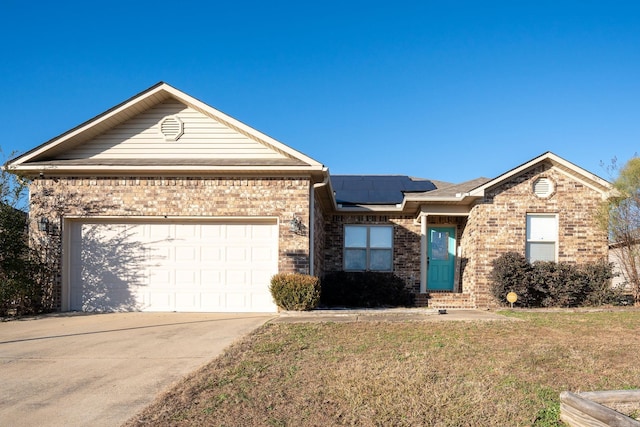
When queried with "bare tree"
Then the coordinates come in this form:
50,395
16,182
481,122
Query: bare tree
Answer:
621,216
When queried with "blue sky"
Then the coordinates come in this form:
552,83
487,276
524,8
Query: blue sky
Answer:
448,90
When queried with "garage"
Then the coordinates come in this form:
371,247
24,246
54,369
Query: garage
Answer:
214,266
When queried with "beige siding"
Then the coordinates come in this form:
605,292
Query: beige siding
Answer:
620,279
203,137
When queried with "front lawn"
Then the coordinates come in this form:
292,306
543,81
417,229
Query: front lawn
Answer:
408,374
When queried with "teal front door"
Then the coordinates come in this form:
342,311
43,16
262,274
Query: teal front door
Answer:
441,261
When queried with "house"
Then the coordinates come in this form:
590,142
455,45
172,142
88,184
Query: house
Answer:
164,203
624,258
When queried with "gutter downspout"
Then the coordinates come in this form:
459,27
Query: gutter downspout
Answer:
312,219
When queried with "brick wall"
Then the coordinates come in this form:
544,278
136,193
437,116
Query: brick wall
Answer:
319,237
406,243
182,197
498,224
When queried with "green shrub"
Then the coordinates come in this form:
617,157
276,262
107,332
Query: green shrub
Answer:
20,293
552,284
558,284
512,273
598,285
365,289
294,291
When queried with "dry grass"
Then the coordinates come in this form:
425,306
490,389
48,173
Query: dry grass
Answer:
408,374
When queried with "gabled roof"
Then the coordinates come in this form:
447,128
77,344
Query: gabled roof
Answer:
376,189
49,155
587,178
459,197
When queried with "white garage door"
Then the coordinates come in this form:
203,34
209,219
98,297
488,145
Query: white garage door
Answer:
213,267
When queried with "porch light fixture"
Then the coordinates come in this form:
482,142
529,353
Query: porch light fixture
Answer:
296,226
43,224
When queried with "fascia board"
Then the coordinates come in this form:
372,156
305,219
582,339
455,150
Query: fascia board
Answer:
87,170
92,169
448,210
463,199
368,208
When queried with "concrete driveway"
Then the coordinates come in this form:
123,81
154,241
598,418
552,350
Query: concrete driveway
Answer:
99,370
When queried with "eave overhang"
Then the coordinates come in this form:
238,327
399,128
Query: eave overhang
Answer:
183,170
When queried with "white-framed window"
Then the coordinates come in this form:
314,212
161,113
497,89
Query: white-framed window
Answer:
368,247
542,237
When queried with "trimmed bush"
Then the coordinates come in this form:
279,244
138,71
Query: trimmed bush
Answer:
552,284
365,289
294,291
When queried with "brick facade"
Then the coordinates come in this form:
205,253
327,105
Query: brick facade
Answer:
184,197
406,243
497,225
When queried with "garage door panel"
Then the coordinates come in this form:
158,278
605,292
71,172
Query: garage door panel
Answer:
213,278
214,300
187,253
186,279
264,233
167,267
258,277
187,301
187,231
212,232
158,300
259,300
237,254
236,278
160,277
159,231
238,232
262,254
236,299
211,254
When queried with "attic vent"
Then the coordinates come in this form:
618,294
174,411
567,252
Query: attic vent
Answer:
543,187
172,128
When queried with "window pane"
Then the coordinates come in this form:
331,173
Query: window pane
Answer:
355,259
355,237
381,237
439,245
380,260
541,251
542,227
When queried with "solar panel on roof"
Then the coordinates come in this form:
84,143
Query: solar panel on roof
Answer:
376,189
